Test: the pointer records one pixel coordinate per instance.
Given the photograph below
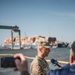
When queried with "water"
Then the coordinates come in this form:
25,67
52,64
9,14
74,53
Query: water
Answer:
57,53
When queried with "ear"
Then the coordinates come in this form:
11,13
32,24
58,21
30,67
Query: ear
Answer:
40,50
71,59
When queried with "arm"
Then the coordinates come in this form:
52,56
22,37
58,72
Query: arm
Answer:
36,69
22,64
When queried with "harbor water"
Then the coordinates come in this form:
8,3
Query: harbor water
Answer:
61,54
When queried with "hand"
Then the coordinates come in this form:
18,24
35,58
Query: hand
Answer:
21,64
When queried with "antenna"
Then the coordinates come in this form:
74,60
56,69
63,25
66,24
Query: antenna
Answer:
25,34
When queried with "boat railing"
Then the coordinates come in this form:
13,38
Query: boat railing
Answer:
62,62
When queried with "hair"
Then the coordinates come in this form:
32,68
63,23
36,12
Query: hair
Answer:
73,48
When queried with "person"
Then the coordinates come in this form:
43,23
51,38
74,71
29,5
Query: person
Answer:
68,69
39,65
21,64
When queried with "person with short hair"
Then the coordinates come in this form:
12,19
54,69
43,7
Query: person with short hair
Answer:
39,65
68,69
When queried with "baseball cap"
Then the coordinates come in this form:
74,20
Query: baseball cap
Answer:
44,44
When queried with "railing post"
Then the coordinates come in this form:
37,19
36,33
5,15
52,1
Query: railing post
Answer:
19,39
11,39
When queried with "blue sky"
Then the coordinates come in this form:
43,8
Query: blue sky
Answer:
55,18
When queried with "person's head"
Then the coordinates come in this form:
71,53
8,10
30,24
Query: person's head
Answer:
43,49
72,53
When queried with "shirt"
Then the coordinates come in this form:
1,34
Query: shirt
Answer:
39,66
66,70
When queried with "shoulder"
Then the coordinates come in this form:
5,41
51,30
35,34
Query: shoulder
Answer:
66,66
35,67
62,71
54,72
35,61
58,72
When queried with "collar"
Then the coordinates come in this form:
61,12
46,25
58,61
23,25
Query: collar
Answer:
40,58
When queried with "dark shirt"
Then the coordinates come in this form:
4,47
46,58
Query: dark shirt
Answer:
66,70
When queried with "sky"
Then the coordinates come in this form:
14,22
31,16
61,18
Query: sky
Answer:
49,18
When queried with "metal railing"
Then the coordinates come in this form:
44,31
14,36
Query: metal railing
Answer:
62,62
